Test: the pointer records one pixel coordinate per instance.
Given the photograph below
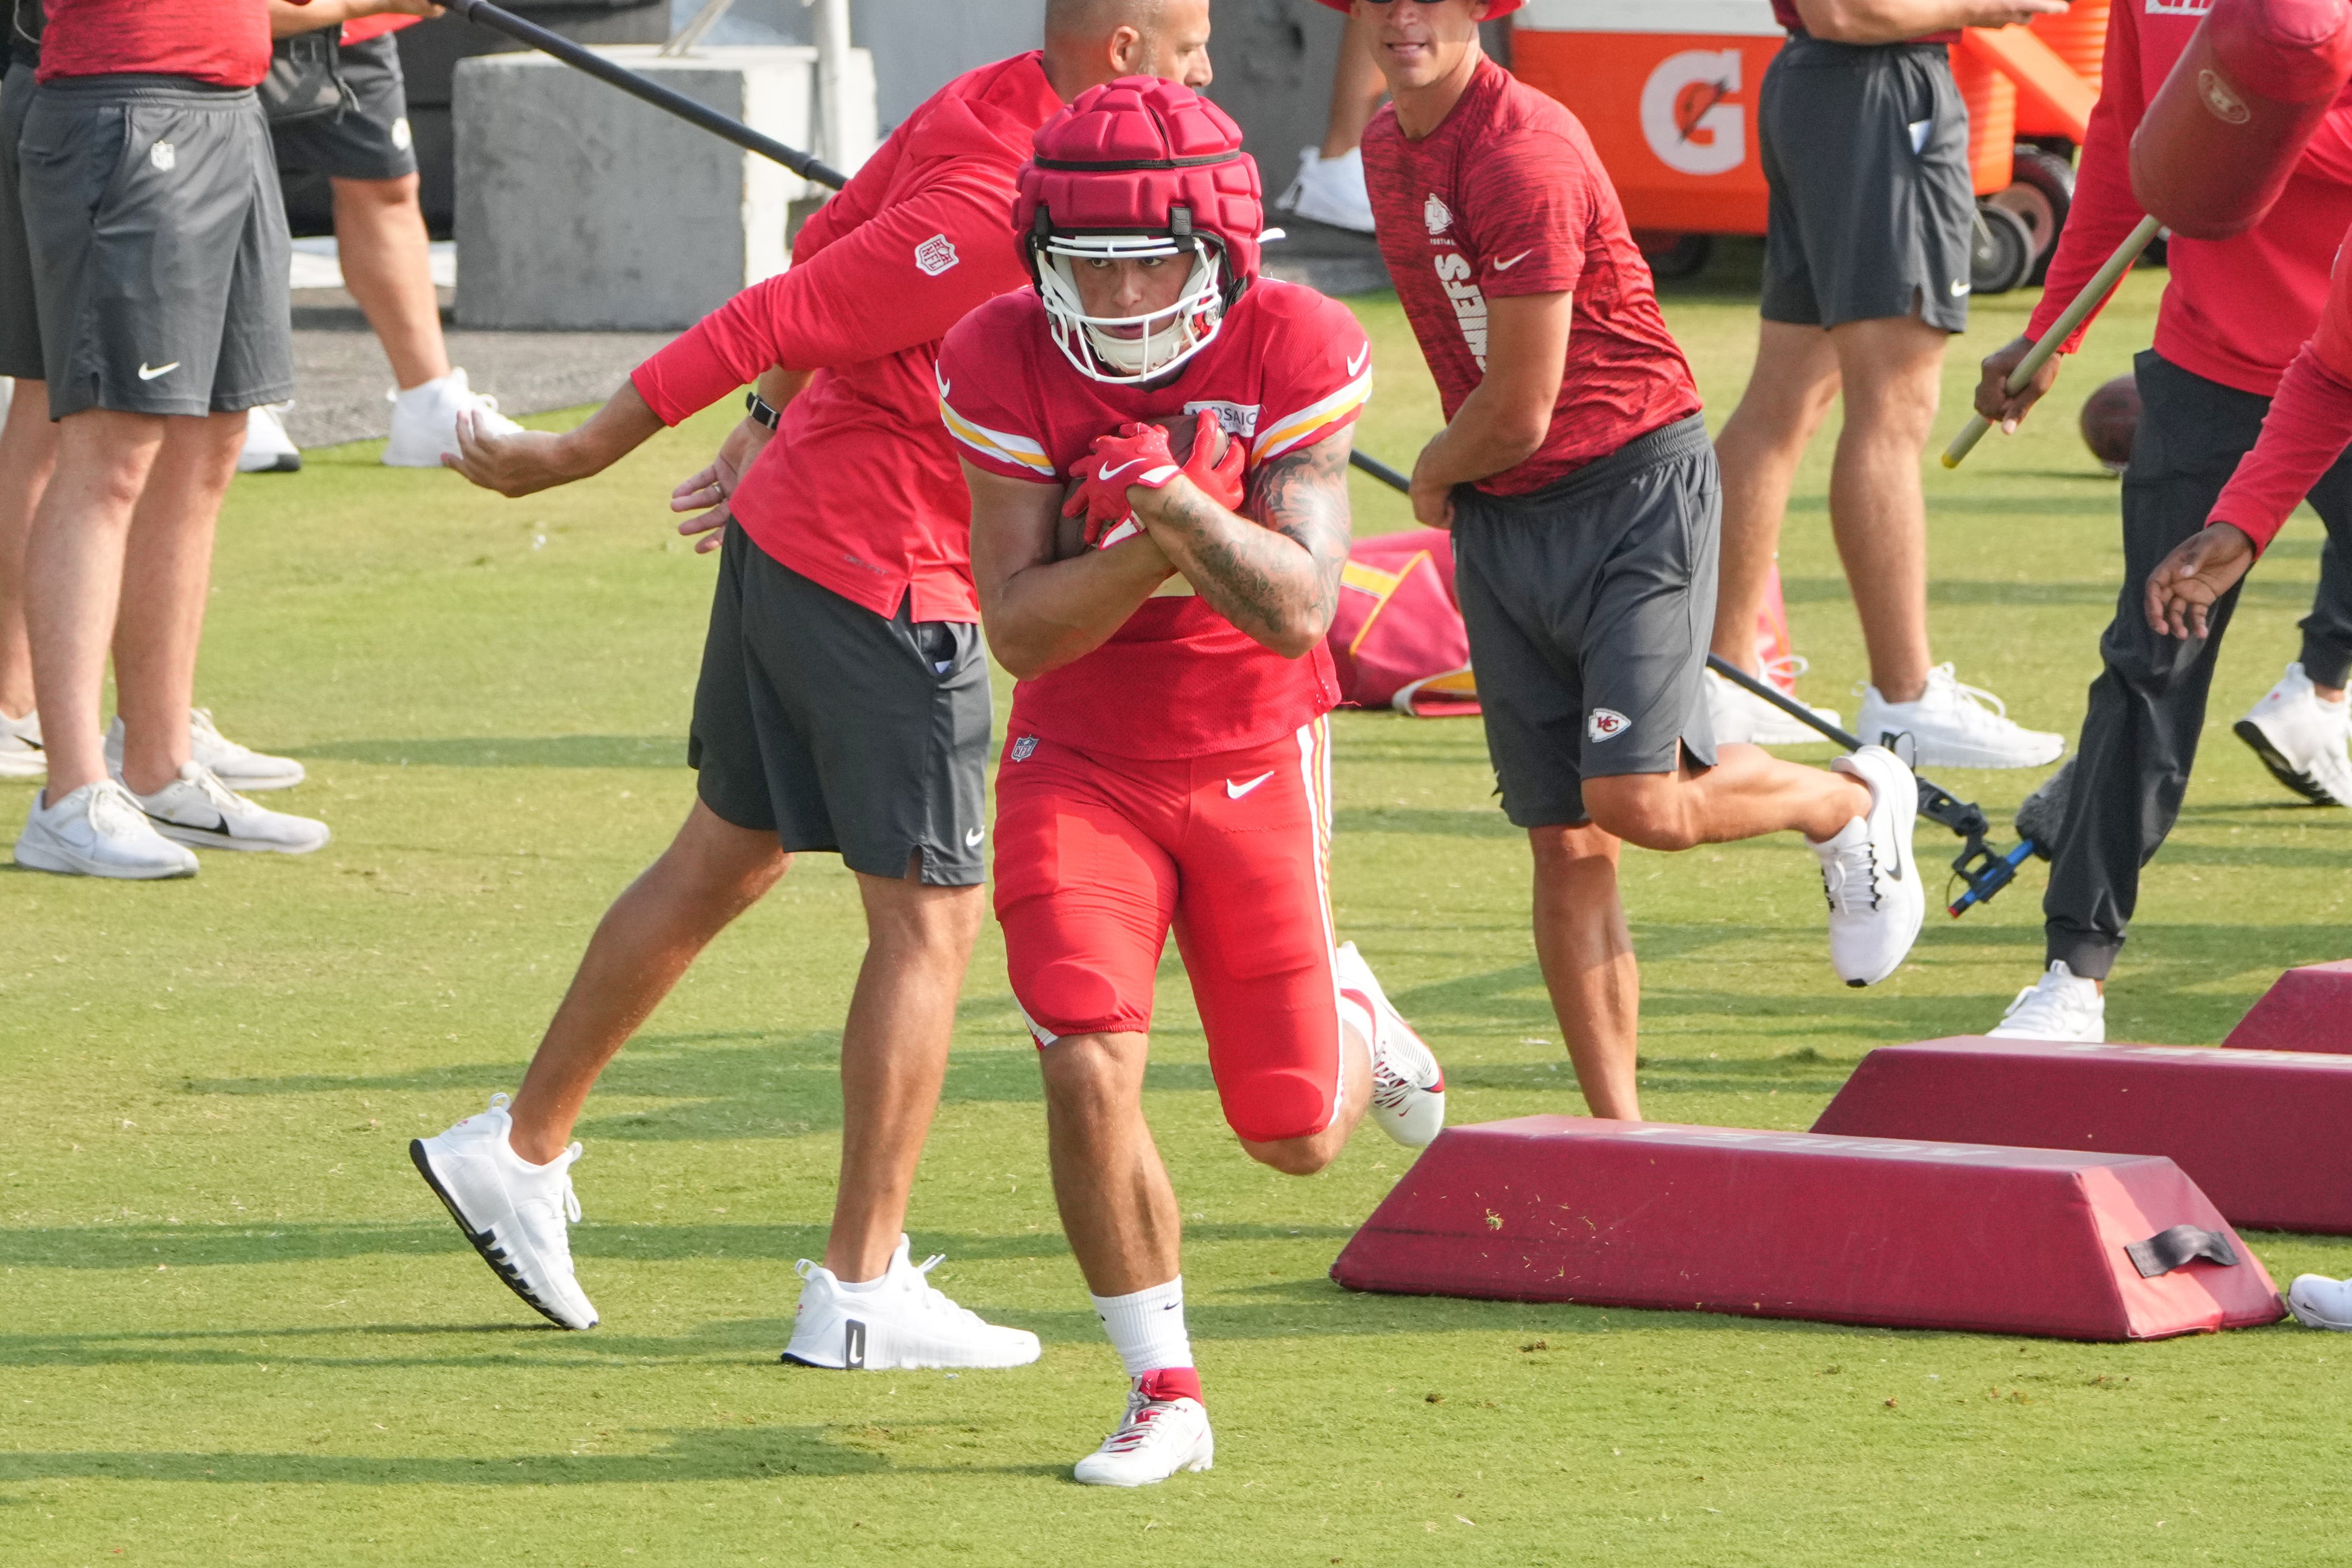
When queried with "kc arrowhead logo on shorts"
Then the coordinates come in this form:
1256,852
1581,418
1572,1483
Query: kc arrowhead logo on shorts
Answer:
936,255
1606,724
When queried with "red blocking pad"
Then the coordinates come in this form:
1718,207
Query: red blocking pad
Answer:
2265,1135
1880,1231
2308,1008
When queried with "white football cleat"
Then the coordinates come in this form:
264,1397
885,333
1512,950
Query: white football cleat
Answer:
1740,716
1953,726
2061,1006
1408,1085
21,755
240,768
98,831
2320,1302
425,420
518,1215
1158,1438
268,448
1330,190
901,1324
1872,879
197,808
2302,740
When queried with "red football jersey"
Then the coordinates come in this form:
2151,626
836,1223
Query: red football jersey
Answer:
1286,368
225,42
1507,197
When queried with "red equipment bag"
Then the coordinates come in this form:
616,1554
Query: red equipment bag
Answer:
2225,131
1396,636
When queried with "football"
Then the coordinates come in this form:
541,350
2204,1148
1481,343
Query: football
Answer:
2110,419
1180,430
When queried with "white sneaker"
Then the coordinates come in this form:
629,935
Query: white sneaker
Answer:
240,768
98,831
268,448
900,1324
1157,1438
197,808
425,420
518,1215
1408,1085
1742,715
1877,905
1330,190
2320,1302
1953,726
2061,1006
21,755
2302,740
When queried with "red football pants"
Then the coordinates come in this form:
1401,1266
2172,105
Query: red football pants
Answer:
1097,857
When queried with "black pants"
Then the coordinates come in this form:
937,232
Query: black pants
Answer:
2148,706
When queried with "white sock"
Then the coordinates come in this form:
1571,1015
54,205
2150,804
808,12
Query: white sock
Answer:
858,1287
1147,1328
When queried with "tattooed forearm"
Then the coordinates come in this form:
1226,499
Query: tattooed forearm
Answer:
1274,572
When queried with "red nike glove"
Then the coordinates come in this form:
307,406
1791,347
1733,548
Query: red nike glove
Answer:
1139,454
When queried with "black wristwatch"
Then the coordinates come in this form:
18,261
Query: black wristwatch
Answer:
763,411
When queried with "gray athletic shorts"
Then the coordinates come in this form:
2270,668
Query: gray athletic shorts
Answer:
835,728
1865,151
1591,603
369,142
20,323
160,254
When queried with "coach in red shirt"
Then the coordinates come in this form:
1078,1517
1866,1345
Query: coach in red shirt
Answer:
843,700
1576,474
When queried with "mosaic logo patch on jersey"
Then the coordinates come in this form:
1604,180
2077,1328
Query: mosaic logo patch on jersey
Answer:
1233,418
936,255
1025,748
1606,724
1436,214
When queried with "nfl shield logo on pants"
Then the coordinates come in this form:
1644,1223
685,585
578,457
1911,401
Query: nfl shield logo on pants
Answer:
1606,724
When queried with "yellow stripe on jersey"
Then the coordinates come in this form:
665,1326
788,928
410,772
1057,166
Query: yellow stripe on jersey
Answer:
1017,450
1293,429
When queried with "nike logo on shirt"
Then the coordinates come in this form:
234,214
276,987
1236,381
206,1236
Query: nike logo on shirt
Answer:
1235,791
1506,266
146,374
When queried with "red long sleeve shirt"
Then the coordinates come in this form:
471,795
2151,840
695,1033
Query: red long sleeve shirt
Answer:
2236,310
859,489
2306,431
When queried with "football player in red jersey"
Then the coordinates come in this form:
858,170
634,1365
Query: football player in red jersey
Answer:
1169,762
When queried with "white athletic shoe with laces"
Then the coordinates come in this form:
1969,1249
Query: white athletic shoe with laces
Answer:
1742,715
2320,1302
197,808
2061,1006
1870,876
425,420
900,1324
98,831
21,755
240,768
268,448
1330,190
2302,740
518,1215
1956,725
1408,1085
1158,1438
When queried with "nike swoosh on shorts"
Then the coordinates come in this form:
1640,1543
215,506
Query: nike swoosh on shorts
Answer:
146,374
1235,791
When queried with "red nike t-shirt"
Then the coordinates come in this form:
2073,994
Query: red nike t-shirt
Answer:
225,42
1287,368
1507,197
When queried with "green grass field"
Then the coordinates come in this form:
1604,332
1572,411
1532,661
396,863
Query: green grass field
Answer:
236,1329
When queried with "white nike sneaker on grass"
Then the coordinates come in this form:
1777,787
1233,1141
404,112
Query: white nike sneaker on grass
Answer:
268,448
21,755
240,768
1954,726
1408,1085
1159,1438
900,1324
1877,905
98,831
2320,1302
518,1215
197,808
2061,1006
2302,740
1330,190
425,420
1740,716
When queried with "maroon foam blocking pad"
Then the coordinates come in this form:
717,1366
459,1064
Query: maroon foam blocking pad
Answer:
2265,1135
2309,1008
1877,1231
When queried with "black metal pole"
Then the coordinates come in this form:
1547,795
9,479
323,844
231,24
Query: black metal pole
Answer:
484,15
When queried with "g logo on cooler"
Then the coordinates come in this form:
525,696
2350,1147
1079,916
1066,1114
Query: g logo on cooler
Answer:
1606,724
1686,116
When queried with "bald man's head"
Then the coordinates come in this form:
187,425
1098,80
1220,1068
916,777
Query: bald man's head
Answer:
1089,42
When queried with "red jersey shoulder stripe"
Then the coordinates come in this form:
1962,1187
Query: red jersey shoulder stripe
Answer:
1017,453
1313,422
